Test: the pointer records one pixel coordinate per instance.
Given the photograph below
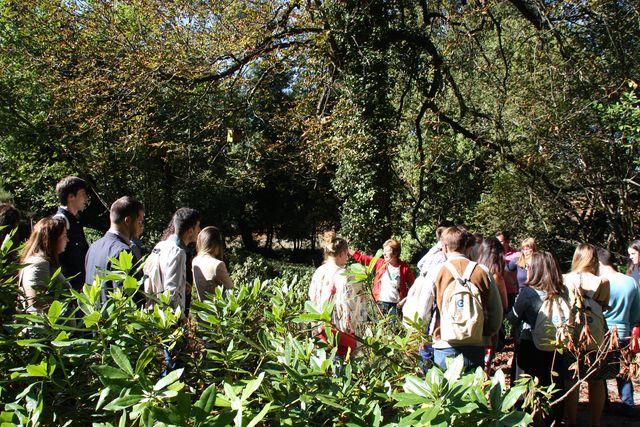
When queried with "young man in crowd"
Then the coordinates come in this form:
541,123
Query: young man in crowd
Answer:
435,257
172,253
127,220
454,244
72,193
624,313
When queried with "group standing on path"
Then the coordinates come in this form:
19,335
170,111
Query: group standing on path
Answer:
465,288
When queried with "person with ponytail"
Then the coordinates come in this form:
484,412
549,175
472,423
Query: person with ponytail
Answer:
40,258
329,284
583,282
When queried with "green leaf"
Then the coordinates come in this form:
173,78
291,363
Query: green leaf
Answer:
169,379
512,397
207,399
54,312
37,370
109,372
145,357
455,369
121,359
251,387
516,419
123,402
260,415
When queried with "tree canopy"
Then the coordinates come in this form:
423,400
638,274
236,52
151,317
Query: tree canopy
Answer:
381,118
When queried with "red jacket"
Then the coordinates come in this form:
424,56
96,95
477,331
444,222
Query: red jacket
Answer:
406,275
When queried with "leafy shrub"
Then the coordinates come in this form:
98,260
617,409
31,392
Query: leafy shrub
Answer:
245,358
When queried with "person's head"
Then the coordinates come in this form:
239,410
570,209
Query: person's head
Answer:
336,248
72,193
606,258
528,246
391,250
49,238
186,222
544,273
634,255
439,231
127,214
526,250
454,239
585,259
9,219
491,254
503,238
210,242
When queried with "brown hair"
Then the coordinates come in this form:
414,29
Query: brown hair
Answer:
455,239
631,267
394,245
545,274
334,245
585,259
69,185
210,242
44,240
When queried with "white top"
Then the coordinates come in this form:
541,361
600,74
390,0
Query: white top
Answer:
390,285
208,273
34,280
329,284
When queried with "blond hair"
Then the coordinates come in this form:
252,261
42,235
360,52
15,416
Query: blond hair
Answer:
585,259
334,245
394,245
529,242
210,242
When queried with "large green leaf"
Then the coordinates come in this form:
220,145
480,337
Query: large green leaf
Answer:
121,359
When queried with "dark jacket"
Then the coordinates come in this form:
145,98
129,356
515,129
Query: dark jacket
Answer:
98,257
72,259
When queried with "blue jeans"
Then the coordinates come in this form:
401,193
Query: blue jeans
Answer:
625,386
625,391
388,307
473,356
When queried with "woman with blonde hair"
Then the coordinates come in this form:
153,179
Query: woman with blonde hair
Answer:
393,276
40,259
521,264
584,283
209,271
330,284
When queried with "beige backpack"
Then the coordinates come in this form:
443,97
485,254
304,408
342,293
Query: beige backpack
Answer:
462,314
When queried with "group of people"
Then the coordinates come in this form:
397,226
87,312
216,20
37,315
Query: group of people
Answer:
468,284
57,254
465,287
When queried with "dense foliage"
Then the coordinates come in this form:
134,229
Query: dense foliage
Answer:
245,358
284,118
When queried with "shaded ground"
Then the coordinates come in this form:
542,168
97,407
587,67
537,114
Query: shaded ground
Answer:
609,419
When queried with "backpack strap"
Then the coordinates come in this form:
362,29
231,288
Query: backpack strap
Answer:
452,270
469,270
